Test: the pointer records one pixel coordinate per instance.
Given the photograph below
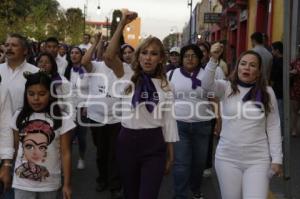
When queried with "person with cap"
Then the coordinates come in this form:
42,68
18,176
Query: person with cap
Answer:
174,59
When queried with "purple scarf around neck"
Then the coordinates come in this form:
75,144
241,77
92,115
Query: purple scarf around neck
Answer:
195,82
78,69
248,96
145,91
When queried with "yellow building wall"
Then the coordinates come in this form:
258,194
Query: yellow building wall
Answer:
277,21
277,26
132,32
251,21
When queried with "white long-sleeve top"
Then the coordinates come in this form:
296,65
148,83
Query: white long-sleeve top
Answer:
162,115
6,134
13,81
247,135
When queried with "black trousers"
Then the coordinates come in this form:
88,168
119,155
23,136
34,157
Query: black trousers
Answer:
105,139
142,156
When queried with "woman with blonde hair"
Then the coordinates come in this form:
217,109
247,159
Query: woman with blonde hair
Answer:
144,147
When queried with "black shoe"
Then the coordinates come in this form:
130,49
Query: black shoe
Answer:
198,196
101,187
116,194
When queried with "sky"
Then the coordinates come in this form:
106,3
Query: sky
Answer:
158,17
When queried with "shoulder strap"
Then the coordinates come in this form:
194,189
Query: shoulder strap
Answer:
171,74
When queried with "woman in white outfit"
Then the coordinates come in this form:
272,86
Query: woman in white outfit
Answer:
250,149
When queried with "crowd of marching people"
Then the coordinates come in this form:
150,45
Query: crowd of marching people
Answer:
150,114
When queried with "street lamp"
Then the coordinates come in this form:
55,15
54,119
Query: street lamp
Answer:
190,3
98,7
84,16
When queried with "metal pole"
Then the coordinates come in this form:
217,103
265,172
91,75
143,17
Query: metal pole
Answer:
84,18
191,11
107,28
286,98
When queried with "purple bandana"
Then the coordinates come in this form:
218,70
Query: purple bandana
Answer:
195,82
145,91
79,70
248,96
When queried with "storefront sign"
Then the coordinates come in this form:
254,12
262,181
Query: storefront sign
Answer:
212,17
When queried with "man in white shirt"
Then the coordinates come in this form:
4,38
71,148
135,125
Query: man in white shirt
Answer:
12,95
86,42
12,78
52,48
62,52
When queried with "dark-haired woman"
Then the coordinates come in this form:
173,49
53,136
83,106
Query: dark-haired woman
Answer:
193,121
127,52
61,87
249,151
78,78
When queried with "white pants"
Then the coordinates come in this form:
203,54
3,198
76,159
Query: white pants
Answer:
243,181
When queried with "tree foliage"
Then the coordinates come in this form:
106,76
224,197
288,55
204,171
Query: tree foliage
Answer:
39,19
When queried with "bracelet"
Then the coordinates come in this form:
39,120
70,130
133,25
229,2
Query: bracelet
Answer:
6,164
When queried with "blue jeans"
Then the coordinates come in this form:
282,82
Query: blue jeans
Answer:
80,133
190,157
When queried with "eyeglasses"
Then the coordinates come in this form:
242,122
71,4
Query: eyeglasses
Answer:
190,56
174,54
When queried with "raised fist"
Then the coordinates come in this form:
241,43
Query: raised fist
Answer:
216,50
128,16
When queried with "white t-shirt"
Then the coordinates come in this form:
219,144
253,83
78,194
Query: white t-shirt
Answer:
14,81
85,46
63,93
162,115
80,87
102,98
61,65
38,162
191,105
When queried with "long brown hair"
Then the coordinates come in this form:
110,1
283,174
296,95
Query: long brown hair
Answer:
261,83
159,71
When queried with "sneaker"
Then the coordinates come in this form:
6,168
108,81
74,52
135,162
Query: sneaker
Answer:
80,164
207,173
198,196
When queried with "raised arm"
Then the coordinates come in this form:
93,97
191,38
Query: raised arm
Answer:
208,81
86,60
100,46
111,57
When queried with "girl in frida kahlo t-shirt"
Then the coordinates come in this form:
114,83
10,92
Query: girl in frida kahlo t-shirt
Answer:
42,143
